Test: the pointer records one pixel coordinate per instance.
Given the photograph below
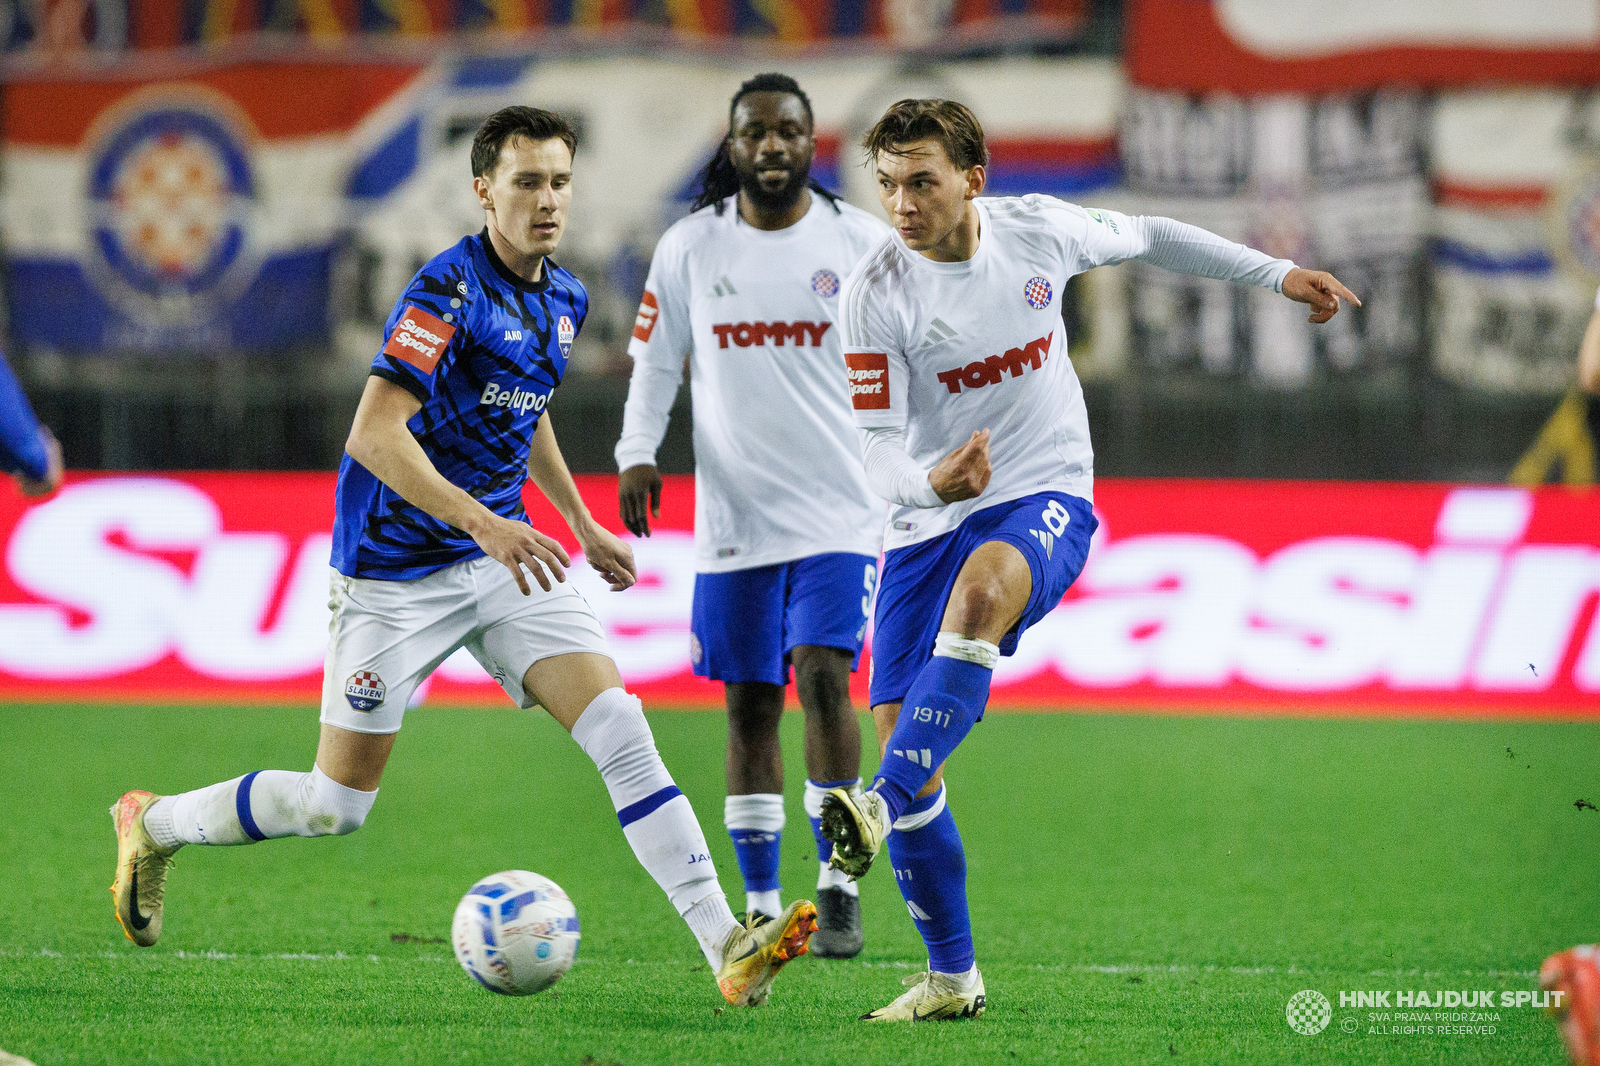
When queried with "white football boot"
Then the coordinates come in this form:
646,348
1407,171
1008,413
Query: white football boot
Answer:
932,997
857,823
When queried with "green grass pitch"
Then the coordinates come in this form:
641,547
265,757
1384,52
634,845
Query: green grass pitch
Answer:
1144,889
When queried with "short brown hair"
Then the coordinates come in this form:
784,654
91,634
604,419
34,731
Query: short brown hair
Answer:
953,125
519,120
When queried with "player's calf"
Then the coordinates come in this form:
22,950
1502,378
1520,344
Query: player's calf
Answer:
258,806
656,817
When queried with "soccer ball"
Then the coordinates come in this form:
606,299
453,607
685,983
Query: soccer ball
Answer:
515,933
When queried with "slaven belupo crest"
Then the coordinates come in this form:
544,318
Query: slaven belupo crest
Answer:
564,336
364,690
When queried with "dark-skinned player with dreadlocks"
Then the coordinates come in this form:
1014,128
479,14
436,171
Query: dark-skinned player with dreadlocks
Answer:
786,529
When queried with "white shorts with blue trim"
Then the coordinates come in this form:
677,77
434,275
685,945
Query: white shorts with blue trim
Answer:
386,637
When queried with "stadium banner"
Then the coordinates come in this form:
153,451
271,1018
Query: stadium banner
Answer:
1236,597
1279,46
196,212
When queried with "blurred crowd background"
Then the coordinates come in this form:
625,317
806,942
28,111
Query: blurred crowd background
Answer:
207,207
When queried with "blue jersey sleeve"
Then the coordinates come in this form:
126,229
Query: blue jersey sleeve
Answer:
22,447
423,330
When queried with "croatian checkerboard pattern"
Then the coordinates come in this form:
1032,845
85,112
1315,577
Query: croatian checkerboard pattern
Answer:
1309,1012
1037,292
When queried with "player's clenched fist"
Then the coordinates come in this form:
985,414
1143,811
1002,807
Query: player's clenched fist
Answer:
518,545
964,473
1318,288
639,495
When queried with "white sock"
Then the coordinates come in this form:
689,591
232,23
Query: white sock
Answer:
712,924
768,903
962,982
828,877
656,818
264,805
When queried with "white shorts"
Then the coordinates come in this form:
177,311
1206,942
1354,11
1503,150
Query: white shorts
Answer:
386,637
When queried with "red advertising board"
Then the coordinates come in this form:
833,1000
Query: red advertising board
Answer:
1243,597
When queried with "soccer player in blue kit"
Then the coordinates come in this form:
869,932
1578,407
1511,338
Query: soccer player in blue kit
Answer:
28,451
973,426
432,552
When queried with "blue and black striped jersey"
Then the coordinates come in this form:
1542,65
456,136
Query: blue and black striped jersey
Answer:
483,350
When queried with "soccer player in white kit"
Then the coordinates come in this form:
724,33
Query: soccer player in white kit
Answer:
973,426
432,552
786,528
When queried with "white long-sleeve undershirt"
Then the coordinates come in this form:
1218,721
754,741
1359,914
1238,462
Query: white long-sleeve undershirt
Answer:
891,471
651,392
1187,249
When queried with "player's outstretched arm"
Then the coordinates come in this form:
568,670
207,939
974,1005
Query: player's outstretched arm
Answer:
610,557
380,441
639,497
1318,288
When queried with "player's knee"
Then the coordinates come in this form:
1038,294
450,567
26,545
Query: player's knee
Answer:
976,604
822,681
755,710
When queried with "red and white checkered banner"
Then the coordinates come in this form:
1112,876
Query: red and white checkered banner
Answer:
1249,597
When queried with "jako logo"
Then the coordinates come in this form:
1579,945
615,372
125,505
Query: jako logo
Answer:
518,400
744,334
976,375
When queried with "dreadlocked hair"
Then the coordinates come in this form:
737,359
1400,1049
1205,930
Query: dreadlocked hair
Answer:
718,179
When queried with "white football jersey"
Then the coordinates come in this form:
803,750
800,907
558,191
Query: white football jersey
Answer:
944,349
778,470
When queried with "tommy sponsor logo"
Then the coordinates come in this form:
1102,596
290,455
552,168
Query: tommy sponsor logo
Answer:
645,322
869,380
364,690
419,339
745,334
565,332
975,375
516,399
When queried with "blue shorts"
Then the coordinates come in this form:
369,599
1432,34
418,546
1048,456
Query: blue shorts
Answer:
1051,529
746,622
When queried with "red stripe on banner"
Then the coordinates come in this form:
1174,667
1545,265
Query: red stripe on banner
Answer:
1051,151
281,99
1180,45
1449,193
1254,598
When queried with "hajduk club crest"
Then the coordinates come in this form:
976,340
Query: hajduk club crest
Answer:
364,690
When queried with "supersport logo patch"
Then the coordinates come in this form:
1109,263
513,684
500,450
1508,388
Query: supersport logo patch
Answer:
869,380
419,339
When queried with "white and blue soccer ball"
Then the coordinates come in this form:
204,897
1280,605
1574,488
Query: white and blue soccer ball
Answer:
515,933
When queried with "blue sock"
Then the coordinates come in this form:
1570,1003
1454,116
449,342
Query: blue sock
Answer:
814,792
755,824
757,851
931,869
943,703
